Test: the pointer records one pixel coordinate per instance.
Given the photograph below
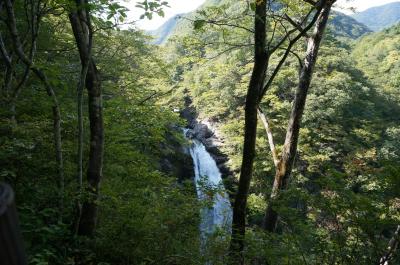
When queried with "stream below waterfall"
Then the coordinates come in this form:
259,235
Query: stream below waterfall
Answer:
217,215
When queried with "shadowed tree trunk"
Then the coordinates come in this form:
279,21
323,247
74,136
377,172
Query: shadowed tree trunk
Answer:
84,33
34,18
18,49
256,91
88,218
12,92
285,164
12,251
391,249
82,28
252,100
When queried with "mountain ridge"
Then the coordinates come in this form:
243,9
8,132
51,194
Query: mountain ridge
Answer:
342,25
379,17
162,33
166,30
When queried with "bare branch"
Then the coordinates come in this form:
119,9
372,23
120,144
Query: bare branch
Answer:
155,94
4,52
12,25
222,24
213,22
268,130
296,25
300,61
287,52
272,35
223,52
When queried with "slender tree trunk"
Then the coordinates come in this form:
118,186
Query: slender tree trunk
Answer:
391,249
17,90
252,101
81,85
80,135
59,155
285,165
8,77
17,46
95,166
270,136
80,147
34,29
81,26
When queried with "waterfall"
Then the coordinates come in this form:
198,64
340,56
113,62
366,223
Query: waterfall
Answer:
218,215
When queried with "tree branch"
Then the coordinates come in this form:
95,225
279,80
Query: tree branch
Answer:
155,95
12,25
296,25
4,53
271,142
221,24
287,52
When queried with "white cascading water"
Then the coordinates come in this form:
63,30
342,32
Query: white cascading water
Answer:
207,174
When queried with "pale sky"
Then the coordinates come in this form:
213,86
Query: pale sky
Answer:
184,6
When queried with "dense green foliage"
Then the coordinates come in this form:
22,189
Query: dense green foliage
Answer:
141,206
341,206
378,56
345,26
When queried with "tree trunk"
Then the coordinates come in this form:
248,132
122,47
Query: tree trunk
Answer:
17,46
34,29
270,136
285,165
58,148
95,166
80,147
81,26
82,32
391,249
252,101
12,251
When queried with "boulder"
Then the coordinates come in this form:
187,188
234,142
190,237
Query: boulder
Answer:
202,132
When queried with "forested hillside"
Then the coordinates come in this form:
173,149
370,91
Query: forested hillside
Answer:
245,132
378,56
342,25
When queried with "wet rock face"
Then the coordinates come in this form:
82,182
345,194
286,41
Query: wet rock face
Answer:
180,165
205,131
176,160
213,145
202,132
189,113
